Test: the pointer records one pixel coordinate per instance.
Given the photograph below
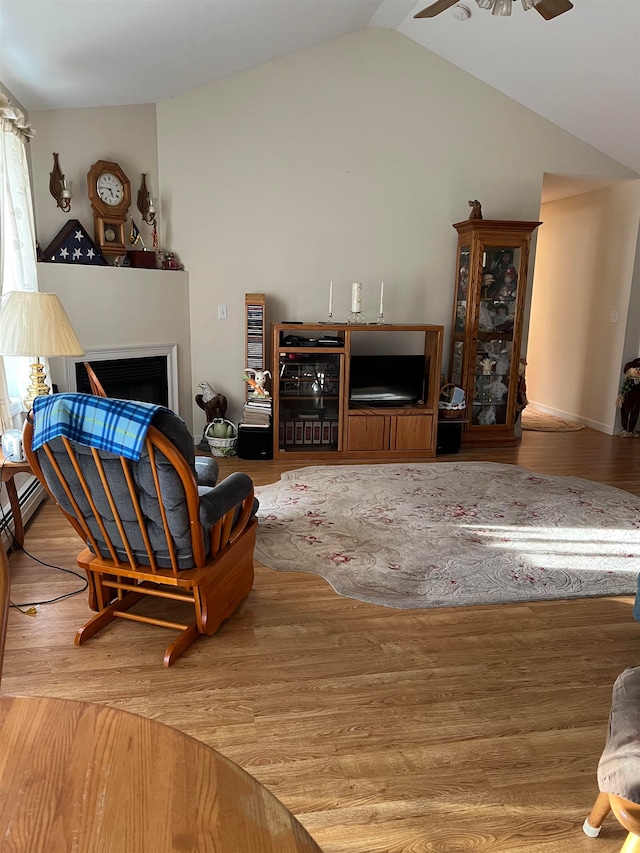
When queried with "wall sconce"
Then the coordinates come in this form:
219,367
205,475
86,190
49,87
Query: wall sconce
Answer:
60,187
146,204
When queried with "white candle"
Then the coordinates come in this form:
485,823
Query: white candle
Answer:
381,312
330,298
356,297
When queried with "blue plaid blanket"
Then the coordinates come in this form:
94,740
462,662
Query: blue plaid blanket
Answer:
118,426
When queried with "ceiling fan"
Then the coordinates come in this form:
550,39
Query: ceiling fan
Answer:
547,8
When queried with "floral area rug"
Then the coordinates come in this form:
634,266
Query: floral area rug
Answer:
448,534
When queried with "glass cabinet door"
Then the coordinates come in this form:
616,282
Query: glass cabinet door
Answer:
461,314
496,319
309,392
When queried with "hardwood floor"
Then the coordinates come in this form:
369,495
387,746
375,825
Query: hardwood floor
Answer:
384,731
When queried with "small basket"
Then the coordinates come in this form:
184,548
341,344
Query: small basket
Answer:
447,409
222,446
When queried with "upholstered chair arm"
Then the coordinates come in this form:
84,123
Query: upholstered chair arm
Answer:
206,471
230,493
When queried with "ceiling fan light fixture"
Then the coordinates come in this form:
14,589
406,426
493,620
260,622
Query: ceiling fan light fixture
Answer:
502,7
549,9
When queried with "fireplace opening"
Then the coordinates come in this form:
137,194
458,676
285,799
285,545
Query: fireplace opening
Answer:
144,379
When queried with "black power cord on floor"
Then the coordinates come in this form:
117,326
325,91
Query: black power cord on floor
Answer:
17,546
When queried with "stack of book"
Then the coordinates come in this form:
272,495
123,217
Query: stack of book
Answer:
257,412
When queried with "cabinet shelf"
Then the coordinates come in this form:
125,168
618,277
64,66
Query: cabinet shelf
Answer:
487,334
392,410
308,396
312,351
306,448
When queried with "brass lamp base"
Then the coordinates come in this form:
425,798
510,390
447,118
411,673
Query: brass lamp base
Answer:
37,386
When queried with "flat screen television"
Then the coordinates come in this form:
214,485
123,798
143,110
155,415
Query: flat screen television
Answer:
387,380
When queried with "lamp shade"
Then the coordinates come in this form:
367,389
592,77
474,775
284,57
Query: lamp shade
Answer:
36,324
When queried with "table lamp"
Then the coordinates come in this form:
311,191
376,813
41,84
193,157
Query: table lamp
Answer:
35,324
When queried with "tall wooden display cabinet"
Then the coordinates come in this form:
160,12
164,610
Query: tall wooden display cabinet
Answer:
488,311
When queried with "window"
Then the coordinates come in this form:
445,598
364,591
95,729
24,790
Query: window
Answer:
17,237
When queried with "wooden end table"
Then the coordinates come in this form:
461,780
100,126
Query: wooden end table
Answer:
8,471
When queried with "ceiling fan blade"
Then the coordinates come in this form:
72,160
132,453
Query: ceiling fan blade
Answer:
552,8
436,8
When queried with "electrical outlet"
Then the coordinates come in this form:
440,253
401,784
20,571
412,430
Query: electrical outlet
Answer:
613,316
222,312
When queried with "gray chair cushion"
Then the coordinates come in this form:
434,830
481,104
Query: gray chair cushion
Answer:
619,766
206,470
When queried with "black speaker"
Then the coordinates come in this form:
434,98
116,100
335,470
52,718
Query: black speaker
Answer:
255,442
449,437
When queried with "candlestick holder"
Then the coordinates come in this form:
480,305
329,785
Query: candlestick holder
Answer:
356,317
380,320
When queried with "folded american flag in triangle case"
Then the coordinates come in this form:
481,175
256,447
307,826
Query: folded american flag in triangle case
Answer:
73,245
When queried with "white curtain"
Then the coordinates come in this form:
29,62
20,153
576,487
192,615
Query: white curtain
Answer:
17,230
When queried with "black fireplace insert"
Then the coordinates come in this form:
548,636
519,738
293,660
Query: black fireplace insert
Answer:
143,379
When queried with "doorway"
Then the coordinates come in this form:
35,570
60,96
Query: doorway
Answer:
584,318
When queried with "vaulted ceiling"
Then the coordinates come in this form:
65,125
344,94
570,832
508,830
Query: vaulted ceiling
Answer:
580,70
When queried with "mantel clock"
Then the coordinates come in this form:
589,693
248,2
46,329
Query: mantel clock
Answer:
110,196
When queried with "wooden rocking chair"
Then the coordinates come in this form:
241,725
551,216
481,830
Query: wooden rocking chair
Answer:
94,382
151,531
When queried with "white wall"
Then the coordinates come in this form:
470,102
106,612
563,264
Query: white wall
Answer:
81,137
632,332
347,161
584,269
111,307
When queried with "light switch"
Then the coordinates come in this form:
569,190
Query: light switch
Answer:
613,316
222,312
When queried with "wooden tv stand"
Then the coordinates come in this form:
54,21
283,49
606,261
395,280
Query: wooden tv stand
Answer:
311,379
